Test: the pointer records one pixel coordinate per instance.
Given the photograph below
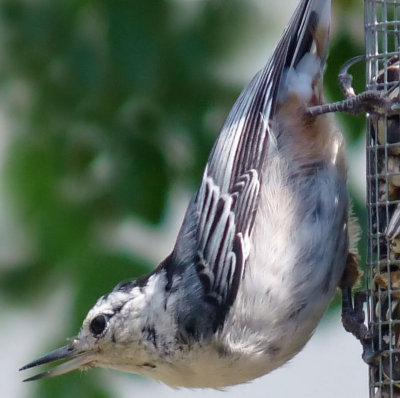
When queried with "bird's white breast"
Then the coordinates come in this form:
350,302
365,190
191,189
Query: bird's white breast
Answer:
296,260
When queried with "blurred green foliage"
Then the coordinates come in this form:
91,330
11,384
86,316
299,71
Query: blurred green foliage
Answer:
103,95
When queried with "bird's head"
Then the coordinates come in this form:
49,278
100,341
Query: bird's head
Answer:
118,332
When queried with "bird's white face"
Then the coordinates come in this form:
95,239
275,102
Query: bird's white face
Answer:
113,335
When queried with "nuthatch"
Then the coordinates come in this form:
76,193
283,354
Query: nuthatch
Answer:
263,245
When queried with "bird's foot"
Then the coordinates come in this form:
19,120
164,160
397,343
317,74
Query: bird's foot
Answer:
353,318
372,101
376,102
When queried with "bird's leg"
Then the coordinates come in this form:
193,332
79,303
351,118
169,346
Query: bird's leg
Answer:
370,101
346,79
353,318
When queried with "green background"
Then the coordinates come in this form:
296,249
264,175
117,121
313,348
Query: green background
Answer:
112,105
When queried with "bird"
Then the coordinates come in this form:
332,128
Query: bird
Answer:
264,244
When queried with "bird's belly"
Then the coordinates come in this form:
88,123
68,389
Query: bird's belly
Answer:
209,366
297,255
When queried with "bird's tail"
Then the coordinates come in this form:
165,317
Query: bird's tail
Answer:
289,83
300,60
302,52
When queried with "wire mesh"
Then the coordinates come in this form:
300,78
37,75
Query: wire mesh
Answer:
382,35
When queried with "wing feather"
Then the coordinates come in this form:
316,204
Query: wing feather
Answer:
215,235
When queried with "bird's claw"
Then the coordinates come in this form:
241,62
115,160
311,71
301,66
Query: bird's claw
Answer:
353,318
376,102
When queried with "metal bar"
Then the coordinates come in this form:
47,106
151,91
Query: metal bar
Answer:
382,39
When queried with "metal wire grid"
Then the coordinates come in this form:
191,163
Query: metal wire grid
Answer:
382,36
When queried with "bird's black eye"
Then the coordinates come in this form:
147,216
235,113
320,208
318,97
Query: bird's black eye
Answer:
98,324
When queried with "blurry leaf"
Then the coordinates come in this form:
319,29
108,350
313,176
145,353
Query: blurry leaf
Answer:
142,182
100,94
348,5
24,281
74,384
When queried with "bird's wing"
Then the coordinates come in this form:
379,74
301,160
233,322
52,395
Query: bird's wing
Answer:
214,238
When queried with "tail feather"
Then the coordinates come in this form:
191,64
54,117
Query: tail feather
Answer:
303,50
248,131
312,34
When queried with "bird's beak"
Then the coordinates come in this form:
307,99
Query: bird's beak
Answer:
75,360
